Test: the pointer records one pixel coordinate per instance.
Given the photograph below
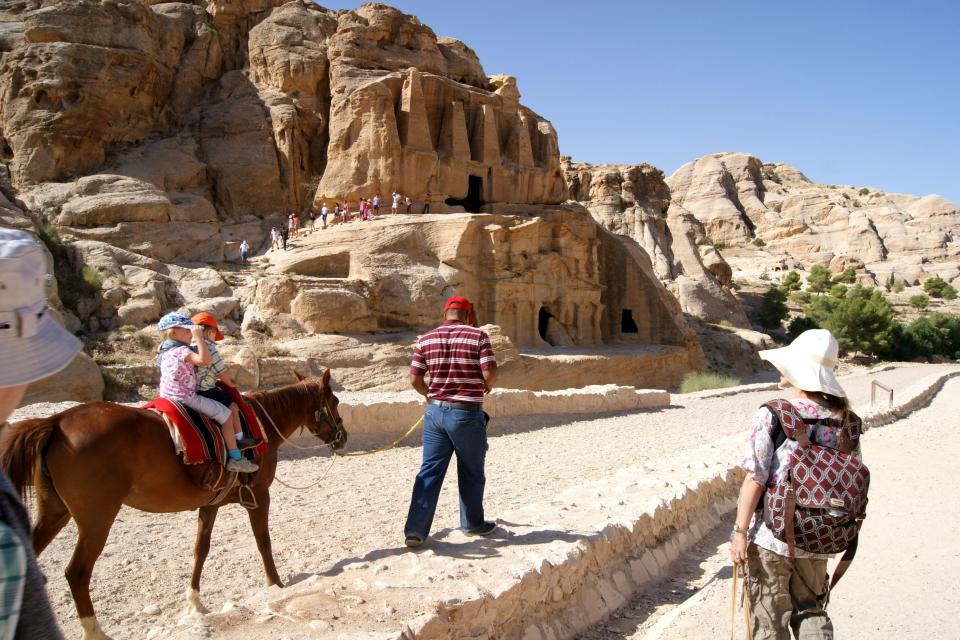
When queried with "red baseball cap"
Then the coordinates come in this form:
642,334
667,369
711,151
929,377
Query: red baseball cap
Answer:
457,302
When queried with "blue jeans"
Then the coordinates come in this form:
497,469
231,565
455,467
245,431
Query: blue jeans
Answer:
447,431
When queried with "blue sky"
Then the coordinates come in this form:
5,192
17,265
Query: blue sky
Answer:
849,92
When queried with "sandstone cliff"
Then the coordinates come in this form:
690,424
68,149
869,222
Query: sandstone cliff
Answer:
635,201
772,217
151,138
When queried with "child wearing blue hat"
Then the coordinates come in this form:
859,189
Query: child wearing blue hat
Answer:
178,380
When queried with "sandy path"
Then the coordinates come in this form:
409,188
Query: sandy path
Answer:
362,503
902,583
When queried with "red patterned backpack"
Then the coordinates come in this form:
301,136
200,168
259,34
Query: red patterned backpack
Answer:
822,500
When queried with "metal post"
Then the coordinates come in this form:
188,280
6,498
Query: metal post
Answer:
873,393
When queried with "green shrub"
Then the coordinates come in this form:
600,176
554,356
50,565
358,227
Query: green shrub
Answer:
719,245
91,278
819,279
861,321
696,381
791,282
838,291
891,280
773,308
938,288
800,324
765,275
801,298
919,301
935,334
758,242
864,191
848,276
899,286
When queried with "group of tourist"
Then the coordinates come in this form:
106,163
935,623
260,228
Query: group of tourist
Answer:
787,588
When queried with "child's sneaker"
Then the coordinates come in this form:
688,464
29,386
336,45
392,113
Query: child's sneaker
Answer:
241,466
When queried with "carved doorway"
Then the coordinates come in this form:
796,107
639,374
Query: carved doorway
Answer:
627,324
474,199
543,322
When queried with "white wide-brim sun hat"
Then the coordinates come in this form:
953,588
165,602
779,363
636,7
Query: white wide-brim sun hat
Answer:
33,345
808,362
28,359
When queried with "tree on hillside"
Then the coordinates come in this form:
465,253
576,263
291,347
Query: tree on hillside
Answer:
848,276
861,321
891,280
838,291
938,288
773,308
919,302
791,282
800,324
819,279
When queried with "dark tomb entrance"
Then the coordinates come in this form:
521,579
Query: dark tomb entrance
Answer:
543,319
474,199
627,325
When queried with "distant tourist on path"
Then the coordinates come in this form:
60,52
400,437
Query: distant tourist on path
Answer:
376,204
284,235
408,203
787,593
313,221
426,204
337,214
323,216
395,203
462,370
346,211
244,250
274,238
32,347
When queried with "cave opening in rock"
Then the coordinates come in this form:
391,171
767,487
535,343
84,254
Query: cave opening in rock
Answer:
474,199
627,324
543,320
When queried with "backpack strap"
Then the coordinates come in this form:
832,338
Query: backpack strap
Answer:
845,561
791,422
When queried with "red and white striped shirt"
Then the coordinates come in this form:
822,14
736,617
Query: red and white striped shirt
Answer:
455,355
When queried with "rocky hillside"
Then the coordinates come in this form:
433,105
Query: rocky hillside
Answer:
772,217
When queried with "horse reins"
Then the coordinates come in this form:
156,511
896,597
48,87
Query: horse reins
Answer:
338,431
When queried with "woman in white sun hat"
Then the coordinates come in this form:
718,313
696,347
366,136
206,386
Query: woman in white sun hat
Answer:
33,345
787,595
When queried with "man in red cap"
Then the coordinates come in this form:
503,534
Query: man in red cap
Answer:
462,369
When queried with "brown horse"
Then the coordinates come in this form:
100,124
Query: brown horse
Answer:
88,461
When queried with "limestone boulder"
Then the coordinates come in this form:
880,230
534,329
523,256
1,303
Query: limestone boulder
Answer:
80,381
244,367
332,311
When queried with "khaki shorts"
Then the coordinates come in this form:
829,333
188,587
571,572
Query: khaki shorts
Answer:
785,598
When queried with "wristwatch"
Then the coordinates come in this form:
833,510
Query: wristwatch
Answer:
737,530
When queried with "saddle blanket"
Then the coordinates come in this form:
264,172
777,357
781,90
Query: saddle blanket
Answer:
198,436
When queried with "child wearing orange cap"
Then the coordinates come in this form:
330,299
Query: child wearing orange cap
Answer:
217,370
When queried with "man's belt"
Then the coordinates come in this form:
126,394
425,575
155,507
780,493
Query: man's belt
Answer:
460,406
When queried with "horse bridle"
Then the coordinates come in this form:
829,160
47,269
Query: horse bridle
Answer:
325,415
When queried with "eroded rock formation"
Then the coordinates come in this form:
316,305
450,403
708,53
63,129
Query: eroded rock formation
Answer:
634,201
744,203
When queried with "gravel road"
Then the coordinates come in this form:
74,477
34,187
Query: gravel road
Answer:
362,502
902,583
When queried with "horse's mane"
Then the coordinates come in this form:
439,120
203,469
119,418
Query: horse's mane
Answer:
287,399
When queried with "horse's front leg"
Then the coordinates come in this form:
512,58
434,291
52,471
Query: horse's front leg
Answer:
260,523
206,518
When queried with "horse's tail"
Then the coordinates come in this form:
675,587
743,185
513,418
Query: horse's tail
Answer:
21,452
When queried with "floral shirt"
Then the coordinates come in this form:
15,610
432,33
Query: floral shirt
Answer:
207,376
768,467
178,378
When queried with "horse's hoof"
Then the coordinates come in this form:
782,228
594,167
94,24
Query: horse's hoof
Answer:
92,630
193,599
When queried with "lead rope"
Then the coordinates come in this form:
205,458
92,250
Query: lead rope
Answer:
285,440
744,604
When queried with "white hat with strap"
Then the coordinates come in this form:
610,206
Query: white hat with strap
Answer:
808,362
33,345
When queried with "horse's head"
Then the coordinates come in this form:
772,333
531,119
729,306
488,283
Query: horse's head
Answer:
327,423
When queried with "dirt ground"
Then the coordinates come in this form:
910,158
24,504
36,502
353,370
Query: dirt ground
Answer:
902,583
361,504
